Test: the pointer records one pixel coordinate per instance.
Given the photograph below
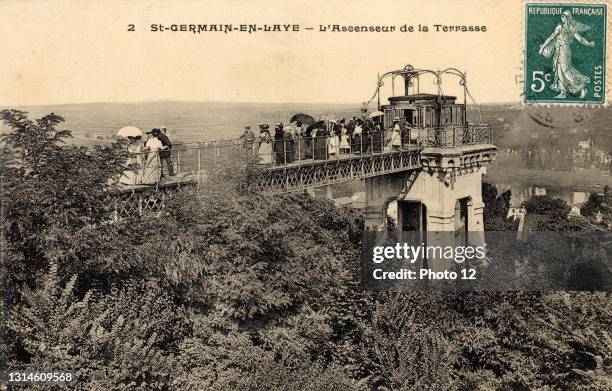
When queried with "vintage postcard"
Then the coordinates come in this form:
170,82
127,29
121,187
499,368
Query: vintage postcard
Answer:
305,195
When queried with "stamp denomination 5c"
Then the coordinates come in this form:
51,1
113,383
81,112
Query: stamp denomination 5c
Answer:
565,53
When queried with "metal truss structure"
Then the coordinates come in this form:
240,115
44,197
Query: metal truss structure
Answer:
299,173
305,175
144,201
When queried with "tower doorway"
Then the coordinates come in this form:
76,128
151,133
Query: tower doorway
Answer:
461,221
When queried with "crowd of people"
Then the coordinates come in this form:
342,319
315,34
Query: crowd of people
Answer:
326,139
150,160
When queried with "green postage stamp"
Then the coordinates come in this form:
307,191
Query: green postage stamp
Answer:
565,53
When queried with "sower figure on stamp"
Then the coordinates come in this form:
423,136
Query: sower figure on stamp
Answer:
566,78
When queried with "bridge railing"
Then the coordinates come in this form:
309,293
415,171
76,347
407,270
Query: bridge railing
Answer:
297,150
449,137
290,150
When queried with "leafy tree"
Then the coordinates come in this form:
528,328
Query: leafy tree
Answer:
496,209
270,267
126,339
489,196
546,205
232,288
598,203
55,198
533,340
404,344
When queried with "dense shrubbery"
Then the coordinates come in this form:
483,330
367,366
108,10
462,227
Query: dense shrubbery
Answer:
232,289
552,214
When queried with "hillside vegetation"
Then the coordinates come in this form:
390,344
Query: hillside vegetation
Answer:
235,290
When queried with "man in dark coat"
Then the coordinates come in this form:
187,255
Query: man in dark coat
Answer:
289,146
165,154
279,144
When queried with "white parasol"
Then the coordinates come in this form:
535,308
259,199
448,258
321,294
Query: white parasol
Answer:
376,114
129,131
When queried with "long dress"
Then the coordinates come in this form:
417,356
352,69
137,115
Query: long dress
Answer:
265,151
279,147
300,146
366,139
334,144
377,140
151,172
289,147
566,78
356,141
133,175
320,145
396,139
345,146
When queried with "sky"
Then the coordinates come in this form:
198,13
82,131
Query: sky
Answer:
64,51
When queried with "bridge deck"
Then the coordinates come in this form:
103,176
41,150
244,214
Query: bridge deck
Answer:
309,173
293,167
306,173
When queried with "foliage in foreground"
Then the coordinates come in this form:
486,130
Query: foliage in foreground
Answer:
232,289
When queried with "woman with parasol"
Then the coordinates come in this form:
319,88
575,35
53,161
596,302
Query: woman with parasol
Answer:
134,163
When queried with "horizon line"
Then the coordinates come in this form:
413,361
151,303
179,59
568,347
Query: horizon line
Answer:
358,104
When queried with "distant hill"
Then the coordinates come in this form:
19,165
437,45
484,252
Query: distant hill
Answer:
197,121
186,121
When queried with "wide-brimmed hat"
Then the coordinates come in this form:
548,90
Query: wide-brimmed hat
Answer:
155,131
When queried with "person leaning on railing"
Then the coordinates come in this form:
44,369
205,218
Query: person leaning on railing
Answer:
165,154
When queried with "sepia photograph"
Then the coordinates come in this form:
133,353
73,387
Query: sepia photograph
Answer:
324,195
